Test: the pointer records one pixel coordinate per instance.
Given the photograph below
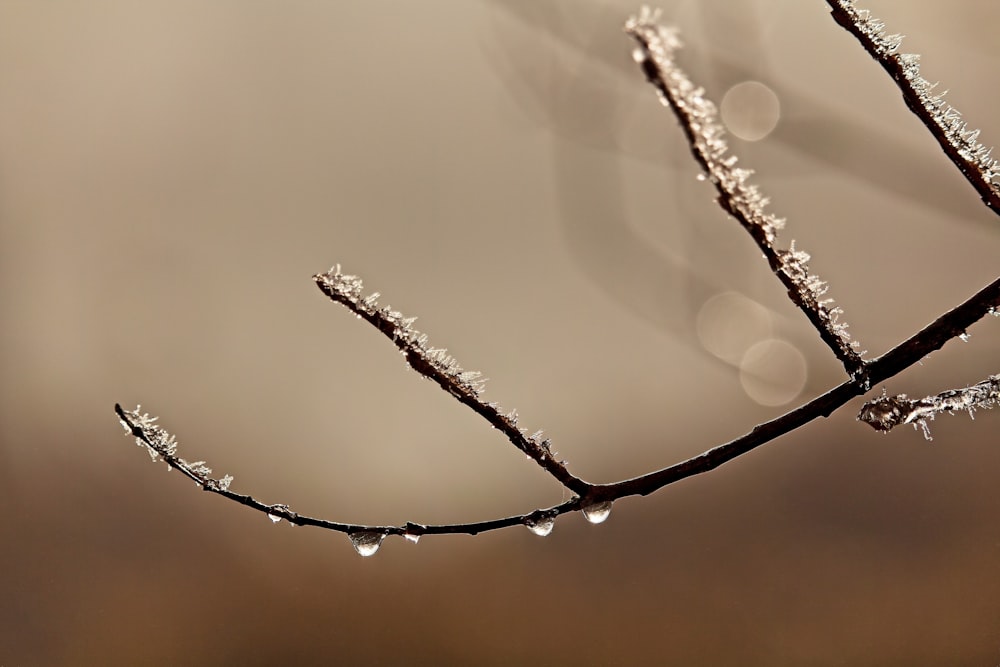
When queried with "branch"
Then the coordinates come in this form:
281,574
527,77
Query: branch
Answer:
595,503
366,539
742,201
697,116
959,143
437,365
932,337
887,412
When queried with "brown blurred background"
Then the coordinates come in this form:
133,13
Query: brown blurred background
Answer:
173,173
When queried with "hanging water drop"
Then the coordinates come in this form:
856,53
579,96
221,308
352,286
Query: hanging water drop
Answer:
701,176
274,518
541,525
964,337
367,542
413,538
597,512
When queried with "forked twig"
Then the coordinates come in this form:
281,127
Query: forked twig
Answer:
595,502
741,200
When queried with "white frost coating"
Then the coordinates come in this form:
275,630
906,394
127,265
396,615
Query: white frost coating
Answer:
162,445
886,412
660,44
436,364
706,135
349,290
964,140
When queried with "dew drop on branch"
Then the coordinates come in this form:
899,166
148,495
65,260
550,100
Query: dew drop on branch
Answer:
541,525
597,512
367,542
274,518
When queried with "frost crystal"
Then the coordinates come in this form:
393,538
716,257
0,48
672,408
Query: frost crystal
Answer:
347,290
887,412
162,445
737,196
438,365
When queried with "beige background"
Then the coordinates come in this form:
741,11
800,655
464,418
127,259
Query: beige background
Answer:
172,174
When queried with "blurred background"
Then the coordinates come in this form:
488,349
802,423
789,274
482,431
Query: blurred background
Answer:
173,173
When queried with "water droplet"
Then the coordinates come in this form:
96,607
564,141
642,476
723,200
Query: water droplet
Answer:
701,176
274,518
412,537
541,525
598,512
367,542
964,337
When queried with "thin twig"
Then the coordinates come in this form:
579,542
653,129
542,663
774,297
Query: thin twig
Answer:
437,365
163,445
697,116
885,412
959,143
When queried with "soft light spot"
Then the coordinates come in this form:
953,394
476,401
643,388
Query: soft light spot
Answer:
773,372
750,110
728,324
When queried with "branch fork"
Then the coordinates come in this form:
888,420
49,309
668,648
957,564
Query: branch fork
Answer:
655,53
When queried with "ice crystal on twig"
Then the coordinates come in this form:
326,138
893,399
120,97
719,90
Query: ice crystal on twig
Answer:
959,141
347,290
163,445
438,365
887,412
698,118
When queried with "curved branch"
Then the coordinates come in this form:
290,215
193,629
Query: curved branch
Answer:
595,502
